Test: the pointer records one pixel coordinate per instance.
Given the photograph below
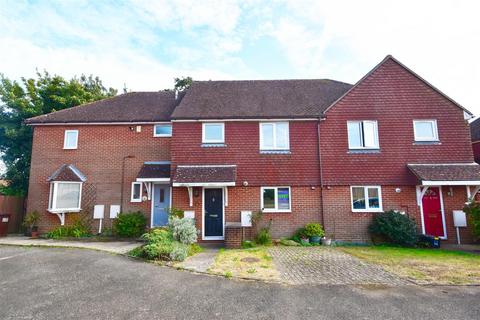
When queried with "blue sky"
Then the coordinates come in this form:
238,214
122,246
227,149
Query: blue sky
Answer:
145,44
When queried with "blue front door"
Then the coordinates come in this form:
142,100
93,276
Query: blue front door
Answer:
161,203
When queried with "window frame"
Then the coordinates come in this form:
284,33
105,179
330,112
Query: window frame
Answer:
275,147
160,125
362,135
423,139
132,199
219,141
52,197
65,147
276,199
367,205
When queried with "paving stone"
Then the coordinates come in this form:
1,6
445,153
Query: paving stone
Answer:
323,265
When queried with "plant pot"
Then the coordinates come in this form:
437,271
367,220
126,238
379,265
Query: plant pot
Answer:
315,239
306,240
326,241
34,233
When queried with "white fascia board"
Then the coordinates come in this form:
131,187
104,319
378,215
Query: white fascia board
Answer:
153,179
450,183
204,184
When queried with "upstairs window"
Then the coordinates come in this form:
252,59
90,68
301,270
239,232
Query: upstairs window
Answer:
425,130
366,199
274,136
65,196
162,130
213,133
275,199
71,139
362,135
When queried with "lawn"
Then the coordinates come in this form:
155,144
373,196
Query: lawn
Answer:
254,263
423,265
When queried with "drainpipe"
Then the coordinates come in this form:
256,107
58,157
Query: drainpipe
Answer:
321,173
123,179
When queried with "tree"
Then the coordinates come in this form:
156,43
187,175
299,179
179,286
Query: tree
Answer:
183,83
33,97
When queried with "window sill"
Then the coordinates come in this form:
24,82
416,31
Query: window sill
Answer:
70,148
162,136
275,152
355,151
367,211
64,210
213,145
426,143
276,211
135,201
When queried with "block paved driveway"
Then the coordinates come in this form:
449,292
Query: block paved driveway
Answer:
60,283
324,265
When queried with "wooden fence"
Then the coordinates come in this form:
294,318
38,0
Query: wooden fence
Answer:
14,206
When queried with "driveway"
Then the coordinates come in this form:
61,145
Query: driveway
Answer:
60,283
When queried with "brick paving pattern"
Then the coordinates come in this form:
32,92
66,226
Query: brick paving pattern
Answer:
320,265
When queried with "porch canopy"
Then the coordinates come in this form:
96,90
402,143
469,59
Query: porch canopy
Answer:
458,174
190,176
154,172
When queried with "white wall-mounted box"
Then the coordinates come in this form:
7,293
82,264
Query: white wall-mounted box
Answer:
246,218
98,211
459,218
114,211
189,214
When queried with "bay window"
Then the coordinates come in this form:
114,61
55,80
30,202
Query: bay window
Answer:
65,196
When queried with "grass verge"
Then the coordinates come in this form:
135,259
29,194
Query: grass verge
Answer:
254,263
427,266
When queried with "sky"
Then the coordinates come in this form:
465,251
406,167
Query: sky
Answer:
144,44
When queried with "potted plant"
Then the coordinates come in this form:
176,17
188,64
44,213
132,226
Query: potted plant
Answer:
326,241
315,232
30,222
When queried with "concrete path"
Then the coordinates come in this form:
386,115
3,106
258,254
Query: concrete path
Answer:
59,283
200,262
322,265
118,247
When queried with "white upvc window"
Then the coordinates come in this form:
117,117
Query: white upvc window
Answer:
366,198
276,199
71,139
136,195
213,132
65,196
362,134
162,130
274,136
425,130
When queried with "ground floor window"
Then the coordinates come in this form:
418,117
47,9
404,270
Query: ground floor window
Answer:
276,199
366,198
136,195
65,196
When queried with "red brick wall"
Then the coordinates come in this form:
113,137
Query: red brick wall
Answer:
305,207
394,98
99,156
300,168
343,224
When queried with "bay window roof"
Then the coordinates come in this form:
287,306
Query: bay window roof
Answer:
67,172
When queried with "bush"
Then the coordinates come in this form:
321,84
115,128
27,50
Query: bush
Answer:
472,209
193,249
159,244
289,243
247,244
130,225
184,230
179,252
264,237
299,235
79,228
31,219
395,227
314,230
176,213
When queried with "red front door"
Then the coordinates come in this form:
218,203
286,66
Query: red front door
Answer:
432,212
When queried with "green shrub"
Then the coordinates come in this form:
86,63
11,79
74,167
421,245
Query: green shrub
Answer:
289,243
184,230
264,237
247,244
193,249
176,213
159,244
179,252
80,228
314,230
395,227
130,225
472,209
31,219
299,235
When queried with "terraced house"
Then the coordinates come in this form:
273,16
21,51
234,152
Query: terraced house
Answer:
300,150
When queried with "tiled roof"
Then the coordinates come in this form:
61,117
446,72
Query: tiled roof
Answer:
446,172
154,170
258,99
129,107
67,172
205,174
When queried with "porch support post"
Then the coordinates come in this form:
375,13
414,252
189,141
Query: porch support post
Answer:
226,195
420,193
471,194
190,196
148,187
